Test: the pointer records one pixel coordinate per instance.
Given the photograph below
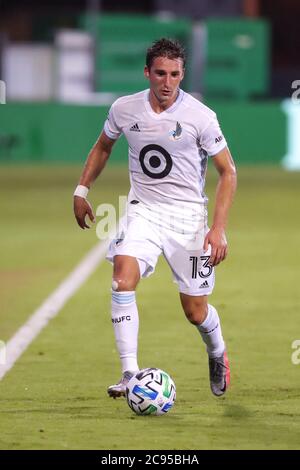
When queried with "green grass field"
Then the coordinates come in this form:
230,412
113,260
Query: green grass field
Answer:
55,395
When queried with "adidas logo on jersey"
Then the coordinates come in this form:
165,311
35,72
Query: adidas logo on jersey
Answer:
135,128
203,285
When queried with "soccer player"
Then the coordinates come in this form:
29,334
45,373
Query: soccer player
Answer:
170,135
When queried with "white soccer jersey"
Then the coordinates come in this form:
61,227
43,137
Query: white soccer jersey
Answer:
168,151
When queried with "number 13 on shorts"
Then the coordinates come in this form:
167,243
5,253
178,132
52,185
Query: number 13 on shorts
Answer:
202,275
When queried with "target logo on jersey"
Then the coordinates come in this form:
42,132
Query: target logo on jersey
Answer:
155,161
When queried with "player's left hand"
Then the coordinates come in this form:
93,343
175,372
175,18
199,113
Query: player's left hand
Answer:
216,238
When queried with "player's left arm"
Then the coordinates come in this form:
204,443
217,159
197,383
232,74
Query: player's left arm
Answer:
224,196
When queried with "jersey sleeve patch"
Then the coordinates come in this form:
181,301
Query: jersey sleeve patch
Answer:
212,139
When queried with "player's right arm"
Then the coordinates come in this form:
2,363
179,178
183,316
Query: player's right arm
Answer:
94,165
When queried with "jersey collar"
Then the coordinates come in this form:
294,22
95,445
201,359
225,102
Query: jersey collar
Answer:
169,110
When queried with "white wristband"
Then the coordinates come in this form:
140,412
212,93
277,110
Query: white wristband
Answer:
81,191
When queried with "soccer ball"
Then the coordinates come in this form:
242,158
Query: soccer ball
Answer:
151,391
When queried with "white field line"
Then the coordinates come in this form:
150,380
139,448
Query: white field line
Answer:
52,305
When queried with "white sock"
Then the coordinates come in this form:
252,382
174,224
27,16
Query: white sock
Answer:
125,320
211,333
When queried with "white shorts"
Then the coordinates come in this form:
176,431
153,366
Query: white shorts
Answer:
146,240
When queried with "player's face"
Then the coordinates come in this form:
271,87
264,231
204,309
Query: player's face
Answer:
165,76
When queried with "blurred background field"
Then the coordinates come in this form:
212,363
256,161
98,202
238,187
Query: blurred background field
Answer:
62,66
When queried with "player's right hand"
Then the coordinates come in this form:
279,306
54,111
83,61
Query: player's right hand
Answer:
82,208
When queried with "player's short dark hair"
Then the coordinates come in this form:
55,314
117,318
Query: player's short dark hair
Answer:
164,47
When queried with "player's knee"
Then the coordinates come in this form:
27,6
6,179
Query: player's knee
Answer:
196,313
126,273
123,284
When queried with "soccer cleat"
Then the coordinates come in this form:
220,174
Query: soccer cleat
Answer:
119,389
219,374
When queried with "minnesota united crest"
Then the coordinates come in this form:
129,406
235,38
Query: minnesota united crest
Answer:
176,134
